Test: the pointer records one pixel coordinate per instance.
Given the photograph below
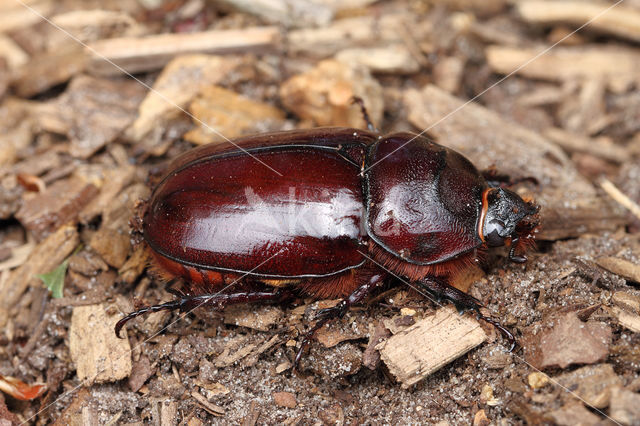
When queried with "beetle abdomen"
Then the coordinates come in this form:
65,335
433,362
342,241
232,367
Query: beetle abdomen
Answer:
227,212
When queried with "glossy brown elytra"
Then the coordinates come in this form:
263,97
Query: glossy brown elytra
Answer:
337,212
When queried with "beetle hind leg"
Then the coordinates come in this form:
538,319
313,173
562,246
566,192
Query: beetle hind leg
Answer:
216,301
169,306
463,302
326,315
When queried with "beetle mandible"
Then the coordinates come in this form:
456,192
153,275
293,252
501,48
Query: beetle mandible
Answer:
348,210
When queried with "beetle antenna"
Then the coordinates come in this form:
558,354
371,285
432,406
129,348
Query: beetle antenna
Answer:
365,114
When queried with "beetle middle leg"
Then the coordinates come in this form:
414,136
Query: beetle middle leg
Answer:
217,301
168,287
338,311
463,302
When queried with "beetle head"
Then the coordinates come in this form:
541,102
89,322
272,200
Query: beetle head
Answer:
508,219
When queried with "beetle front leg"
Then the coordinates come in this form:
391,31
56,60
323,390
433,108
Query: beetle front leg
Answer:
338,311
217,301
463,302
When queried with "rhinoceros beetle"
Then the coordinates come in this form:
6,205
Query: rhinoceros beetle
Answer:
347,210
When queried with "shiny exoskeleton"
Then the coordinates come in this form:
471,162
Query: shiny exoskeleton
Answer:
336,213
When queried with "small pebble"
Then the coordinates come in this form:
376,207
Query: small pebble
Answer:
407,312
537,380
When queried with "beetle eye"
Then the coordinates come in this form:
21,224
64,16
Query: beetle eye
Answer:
493,230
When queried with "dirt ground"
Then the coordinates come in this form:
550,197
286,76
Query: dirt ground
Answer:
97,97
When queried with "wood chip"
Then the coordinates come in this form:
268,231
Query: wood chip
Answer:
371,356
112,240
98,354
18,16
284,399
87,263
49,69
398,323
393,59
19,255
180,81
214,389
587,108
578,143
141,371
481,419
627,319
620,197
97,111
625,406
537,380
229,114
251,418
135,264
165,412
350,328
626,301
630,271
593,384
415,353
365,31
574,413
58,205
115,180
541,95
621,20
12,53
252,359
72,414
96,24
289,13
324,94
567,63
138,54
447,73
236,349
283,366
570,204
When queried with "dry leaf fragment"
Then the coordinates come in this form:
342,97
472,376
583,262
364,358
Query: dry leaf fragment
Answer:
566,340
19,389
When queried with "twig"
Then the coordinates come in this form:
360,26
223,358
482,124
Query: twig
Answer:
620,197
209,407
